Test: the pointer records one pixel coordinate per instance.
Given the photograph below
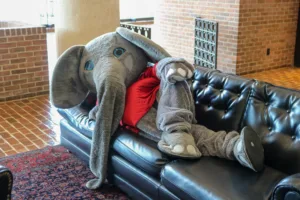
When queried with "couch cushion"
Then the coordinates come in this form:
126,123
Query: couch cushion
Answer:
214,178
274,113
220,99
78,118
139,151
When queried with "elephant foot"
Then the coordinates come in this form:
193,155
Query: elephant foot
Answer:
249,151
179,72
179,144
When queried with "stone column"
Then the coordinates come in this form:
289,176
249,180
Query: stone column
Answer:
79,21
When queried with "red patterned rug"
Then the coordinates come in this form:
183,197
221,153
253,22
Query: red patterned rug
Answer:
54,173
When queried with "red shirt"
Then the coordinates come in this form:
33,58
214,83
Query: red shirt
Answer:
140,97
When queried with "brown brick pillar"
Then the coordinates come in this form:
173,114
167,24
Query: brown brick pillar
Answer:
247,29
266,25
175,23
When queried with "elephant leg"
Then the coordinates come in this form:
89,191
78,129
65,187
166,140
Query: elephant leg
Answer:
211,143
147,125
175,115
246,147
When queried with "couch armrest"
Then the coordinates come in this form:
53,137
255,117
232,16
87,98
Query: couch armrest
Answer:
6,182
288,188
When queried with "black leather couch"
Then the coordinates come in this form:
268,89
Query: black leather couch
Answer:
223,102
6,181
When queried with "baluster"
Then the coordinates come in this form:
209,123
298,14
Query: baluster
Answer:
145,31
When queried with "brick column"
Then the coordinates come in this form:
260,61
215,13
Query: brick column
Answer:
79,21
266,24
247,28
175,25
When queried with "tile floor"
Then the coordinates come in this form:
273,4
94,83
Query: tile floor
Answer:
33,123
285,77
27,125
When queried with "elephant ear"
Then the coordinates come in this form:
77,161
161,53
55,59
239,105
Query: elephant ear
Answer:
66,88
153,50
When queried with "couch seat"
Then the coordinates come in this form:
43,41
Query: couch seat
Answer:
139,151
215,178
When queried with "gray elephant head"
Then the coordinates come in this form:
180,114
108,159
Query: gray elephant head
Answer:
122,55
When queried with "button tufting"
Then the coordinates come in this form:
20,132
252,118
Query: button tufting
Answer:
293,137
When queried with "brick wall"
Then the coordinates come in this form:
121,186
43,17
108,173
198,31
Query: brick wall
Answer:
23,63
266,24
246,29
175,24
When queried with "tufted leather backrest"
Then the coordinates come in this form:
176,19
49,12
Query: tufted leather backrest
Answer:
274,113
220,99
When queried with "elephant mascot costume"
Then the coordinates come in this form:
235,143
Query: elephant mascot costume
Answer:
109,66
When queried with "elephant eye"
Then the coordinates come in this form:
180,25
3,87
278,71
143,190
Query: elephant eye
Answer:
118,52
89,65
